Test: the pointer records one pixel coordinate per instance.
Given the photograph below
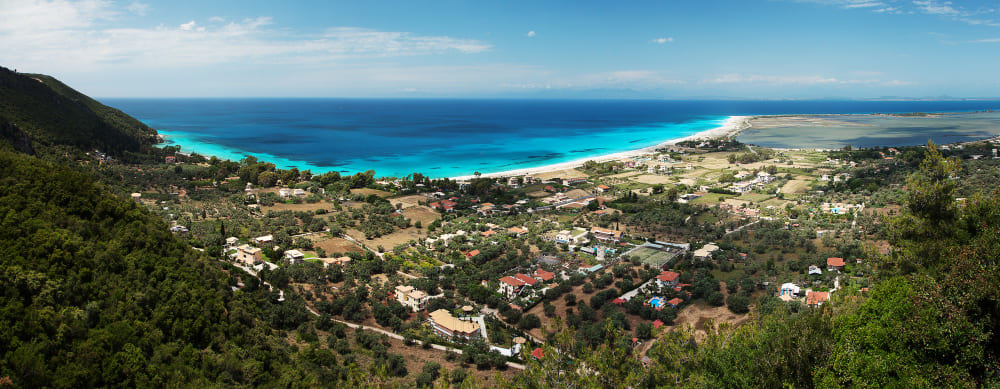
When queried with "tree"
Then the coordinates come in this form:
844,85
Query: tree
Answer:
715,299
927,223
738,303
529,321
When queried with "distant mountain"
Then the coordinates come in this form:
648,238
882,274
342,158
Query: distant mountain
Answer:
38,111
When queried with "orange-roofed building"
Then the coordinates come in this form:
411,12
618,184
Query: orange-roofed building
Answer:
834,264
472,253
815,299
544,276
668,279
526,279
510,286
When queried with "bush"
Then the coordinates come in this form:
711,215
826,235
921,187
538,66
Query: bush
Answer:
529,322
738,303
715,299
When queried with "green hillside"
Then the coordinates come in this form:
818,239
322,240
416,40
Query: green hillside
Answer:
53,114
94,291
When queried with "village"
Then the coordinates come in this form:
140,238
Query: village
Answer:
696,235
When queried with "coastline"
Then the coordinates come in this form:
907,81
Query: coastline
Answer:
731,127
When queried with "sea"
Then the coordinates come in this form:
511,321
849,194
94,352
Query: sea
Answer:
458,137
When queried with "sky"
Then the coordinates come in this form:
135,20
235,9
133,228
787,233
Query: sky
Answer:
677,49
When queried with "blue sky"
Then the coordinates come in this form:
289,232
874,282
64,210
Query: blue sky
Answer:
546,49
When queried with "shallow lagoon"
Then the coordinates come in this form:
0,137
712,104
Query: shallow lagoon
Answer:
836,131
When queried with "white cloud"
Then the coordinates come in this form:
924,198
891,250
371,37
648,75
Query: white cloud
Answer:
988,40
934,8
51,15
217,19
661,41
62,35
530,34
138,8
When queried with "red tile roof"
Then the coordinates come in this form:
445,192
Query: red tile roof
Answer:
675,301
472,253
837,262
544,275
618,301
657,323
538,353
668,276
526,279
512,281
814,298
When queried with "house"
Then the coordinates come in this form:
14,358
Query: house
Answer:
603,188
544,276
294,255
789,289
705,252
444,205
284,192
448,326
249,255
263,239
813,269
526,279
416,300
674,302
604,234
668,279
178,229
472,253
574,181
538,353
231,242
815,299
340,261
577,236
834,264
517,231
510,286
298,192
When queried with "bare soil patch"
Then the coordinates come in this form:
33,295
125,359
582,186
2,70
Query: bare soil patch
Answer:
335,245
564,173
367,191
795,187
424,215
653,179
304,207
410,201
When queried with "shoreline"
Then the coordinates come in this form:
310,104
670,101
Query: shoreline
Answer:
730,127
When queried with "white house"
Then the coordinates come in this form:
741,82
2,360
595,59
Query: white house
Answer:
294,255
409,297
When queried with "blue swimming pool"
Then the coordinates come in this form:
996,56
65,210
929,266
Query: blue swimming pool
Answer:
656,302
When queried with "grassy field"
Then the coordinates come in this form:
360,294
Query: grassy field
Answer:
653,257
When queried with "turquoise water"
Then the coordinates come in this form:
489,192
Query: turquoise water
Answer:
447,138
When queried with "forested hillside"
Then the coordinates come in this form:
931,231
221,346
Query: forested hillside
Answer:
96,292
53,114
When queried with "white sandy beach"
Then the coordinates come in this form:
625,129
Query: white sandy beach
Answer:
730,127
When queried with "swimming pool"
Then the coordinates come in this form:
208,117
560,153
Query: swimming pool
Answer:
656,302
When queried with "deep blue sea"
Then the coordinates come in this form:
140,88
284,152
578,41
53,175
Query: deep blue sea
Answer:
446,138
